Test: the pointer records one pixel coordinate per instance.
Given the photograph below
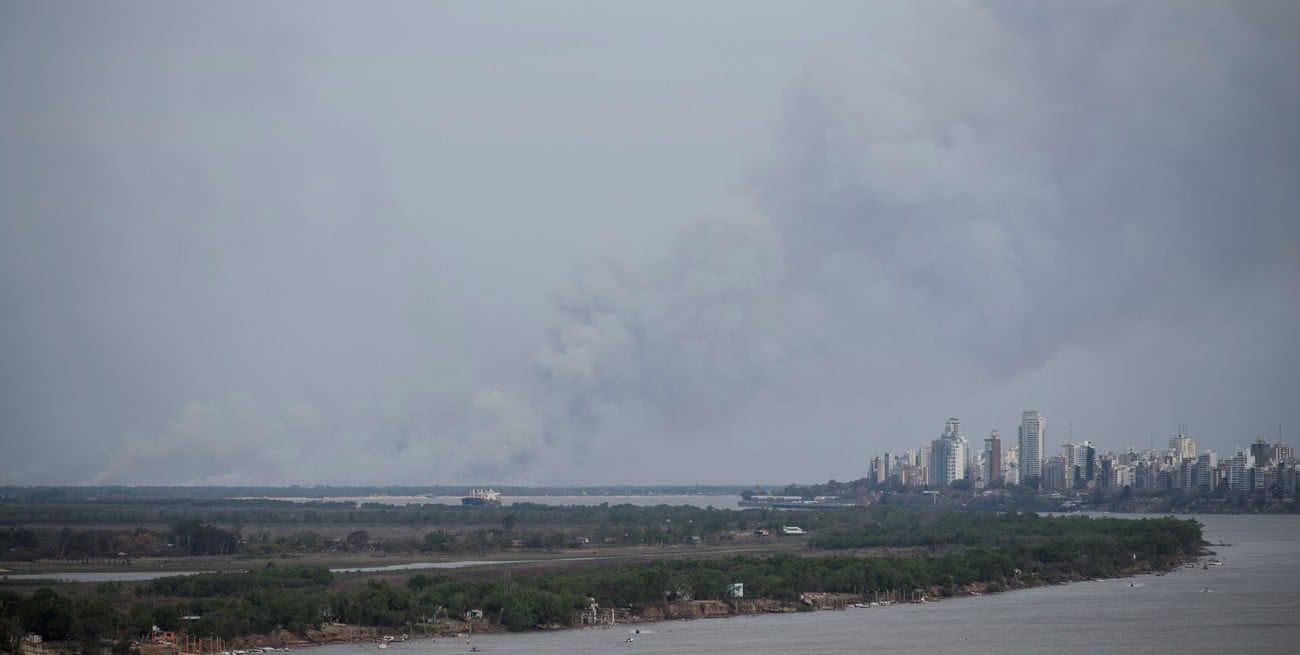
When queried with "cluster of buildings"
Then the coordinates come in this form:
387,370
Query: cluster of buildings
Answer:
951,460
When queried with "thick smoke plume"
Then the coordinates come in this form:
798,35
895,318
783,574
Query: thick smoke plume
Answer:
1086,208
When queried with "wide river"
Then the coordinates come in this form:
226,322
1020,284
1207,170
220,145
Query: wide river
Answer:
1251,604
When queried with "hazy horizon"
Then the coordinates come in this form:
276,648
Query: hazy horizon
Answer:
592,243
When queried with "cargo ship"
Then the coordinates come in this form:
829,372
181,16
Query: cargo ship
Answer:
482,497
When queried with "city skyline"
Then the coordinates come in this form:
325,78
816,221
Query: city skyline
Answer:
1082,465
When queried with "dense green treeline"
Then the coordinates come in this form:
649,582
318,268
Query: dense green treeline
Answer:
230,584
280,513
460,530
940,527
238,528
988,547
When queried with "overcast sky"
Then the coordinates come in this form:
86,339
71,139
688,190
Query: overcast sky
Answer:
655,242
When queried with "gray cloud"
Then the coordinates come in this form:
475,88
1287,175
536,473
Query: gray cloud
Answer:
326,248
958,215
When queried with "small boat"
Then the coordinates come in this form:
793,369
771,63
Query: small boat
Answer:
1214,562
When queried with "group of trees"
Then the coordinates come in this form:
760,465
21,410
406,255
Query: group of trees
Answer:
57,617
1052,548
256,513
194,537
188,537
1203,500
25,543
18,539
480,531
935,550
451,529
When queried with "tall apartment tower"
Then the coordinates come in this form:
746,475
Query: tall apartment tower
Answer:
947,456
1262,452
1033,433
1182,447
992,458
1011,464
952,428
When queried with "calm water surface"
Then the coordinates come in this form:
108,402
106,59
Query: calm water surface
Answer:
140,576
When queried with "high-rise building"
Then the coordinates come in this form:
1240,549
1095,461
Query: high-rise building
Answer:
1011,465
1203,472
923,464
1182,447
1106,476
992,458
1085,462
1262,451
1144,476
1033,433
1283,454
954,467
1124,476
1053,472
1070,454
1184,473
947,456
